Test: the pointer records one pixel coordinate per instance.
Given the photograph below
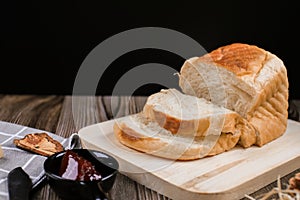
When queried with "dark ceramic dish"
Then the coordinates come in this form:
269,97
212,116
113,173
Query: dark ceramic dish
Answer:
89,190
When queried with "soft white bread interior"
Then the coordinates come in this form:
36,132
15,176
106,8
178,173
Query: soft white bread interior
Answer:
243,78
190,116
142,134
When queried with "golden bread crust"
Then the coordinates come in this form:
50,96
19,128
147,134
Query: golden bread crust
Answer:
241,59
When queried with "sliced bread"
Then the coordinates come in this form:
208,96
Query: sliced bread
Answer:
143,134
190,116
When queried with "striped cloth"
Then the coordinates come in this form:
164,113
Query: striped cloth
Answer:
14,157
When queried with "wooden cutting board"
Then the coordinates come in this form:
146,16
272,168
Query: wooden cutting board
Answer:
229,175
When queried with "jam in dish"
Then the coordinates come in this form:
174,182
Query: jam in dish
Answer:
75,167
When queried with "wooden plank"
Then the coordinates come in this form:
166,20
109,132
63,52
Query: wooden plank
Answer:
229,175
35,111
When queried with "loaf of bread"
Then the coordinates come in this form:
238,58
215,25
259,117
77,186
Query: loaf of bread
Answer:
234,95
183,127
242,78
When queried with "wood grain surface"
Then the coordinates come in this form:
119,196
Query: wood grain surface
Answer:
64,115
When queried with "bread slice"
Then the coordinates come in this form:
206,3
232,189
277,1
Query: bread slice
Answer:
243,78
39,143
190,116
142,134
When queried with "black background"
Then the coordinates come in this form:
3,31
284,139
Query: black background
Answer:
43,43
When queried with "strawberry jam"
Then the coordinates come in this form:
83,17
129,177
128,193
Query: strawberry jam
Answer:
75,167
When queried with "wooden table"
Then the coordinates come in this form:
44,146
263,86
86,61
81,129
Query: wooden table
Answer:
53,113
